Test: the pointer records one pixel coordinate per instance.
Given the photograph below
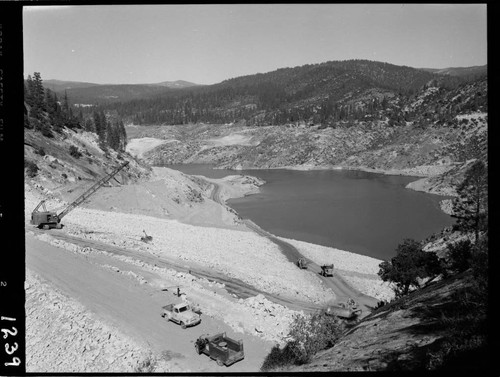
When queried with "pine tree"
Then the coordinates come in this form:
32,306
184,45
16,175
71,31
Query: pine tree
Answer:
88,124
112,137
38,93
65,106
58,121
35,97
50,104
29,90
100,125
122,136
97,122
109,134
470,208
67,112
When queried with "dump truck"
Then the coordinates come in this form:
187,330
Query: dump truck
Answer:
221,348
50,219
327,270
182,314
302,264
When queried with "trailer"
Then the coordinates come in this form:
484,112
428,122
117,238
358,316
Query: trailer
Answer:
221,348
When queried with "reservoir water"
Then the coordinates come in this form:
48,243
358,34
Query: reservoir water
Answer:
361,212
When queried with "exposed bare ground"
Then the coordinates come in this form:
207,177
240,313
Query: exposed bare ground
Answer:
119,279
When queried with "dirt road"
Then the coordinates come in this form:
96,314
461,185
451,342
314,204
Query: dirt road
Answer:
134,308
340,287
232,285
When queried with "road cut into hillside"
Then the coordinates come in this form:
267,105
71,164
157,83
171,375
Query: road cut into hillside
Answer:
241,280
110,291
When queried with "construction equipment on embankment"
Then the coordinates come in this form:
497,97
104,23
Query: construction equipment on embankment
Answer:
146,237
342,289
50,219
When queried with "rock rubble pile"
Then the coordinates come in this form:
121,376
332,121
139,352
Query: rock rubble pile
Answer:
233,253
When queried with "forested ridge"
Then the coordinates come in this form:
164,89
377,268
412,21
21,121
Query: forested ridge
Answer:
46,113
321,94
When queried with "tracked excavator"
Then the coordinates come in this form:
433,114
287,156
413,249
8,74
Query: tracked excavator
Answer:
50,219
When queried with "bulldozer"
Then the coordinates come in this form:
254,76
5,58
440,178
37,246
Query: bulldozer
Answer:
51,219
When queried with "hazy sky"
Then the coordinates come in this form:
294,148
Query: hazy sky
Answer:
206,44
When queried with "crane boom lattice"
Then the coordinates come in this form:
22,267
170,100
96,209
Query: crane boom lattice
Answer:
91,190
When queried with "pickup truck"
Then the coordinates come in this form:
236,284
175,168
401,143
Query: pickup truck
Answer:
181,314
221,348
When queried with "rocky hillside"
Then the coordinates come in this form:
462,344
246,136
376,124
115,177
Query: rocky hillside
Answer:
435,130
411,334
346,114
376,117
72,160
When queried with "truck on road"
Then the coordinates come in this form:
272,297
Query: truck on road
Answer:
182,314
302,263
327,270
221,348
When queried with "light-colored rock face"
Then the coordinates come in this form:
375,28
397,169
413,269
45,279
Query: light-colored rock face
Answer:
137,147
170,207
431,152
119,214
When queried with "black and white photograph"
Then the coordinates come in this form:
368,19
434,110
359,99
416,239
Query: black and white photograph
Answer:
251,188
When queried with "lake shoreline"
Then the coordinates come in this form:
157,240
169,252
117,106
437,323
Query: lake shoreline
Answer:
317,236
420,173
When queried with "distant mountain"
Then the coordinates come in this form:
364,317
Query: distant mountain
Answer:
60,85
315,93
459,71
176,84
322,93
105,94
91,93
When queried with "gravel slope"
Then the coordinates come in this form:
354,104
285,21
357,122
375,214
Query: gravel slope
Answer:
126,295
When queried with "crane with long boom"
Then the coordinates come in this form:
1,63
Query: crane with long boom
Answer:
50,219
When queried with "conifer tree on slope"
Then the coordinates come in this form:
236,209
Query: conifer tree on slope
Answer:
471,206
